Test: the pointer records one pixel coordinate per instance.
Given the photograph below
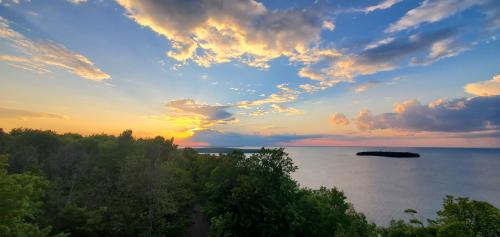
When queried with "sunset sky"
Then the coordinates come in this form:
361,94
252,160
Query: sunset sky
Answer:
255,73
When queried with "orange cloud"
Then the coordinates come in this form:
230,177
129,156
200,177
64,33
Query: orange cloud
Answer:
187,116
339,119
485,88
283,109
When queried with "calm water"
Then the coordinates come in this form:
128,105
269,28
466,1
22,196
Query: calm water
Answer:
383,188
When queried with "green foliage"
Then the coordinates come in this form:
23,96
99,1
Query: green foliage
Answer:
481,218
255,196
401,229
21,198
256,191
4,140
156,189
104,185
460,217
455,229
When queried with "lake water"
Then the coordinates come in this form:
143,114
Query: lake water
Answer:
383,188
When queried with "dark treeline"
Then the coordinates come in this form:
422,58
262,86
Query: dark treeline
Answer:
102,185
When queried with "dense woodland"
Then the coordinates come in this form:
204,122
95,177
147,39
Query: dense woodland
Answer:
103,185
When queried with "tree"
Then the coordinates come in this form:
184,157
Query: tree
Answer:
104,185
24,159
156,190
256,196
4,139
481,218
455,229
252,196
21,198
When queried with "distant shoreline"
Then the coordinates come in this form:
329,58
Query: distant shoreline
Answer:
224,150
256,148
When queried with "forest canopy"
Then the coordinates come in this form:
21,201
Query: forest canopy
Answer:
103,185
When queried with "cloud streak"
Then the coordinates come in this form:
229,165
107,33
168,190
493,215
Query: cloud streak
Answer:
40,56
8,113
386,4
365,86
430,11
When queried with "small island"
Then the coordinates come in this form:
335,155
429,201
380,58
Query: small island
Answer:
391,154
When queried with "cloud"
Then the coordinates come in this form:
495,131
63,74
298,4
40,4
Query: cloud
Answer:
383,55
492,11
381,6
430,11
379,43
41,55
211,112
328,25
400,48
307,72
259,112
484,88
390,55
315,55
273,103
309,88
12,1
365,86
285,95
220,31
283,109
439,50
373,83
339,119
457,115
77,1
188,116
26,114
231,139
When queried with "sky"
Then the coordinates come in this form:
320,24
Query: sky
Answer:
256,73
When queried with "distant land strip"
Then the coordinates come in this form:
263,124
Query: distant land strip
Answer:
224,150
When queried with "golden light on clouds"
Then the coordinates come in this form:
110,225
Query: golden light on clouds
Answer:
484,88
183,126
218,32
339,119
186,116
285,95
